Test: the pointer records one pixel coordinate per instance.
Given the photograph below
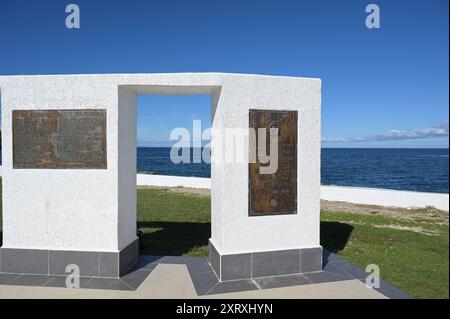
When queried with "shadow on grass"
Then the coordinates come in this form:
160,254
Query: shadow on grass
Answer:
173,238
334,235
178,238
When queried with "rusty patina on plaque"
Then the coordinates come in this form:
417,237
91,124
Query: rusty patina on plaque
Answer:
59,139
274,194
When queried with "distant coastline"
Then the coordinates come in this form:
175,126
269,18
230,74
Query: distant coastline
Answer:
421,170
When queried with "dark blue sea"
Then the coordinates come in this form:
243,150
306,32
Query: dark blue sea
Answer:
424,170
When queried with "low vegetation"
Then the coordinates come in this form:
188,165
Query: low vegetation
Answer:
412,252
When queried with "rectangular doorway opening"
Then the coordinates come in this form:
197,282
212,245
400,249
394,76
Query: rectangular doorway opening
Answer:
172,137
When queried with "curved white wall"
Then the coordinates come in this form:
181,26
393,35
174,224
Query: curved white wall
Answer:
77,209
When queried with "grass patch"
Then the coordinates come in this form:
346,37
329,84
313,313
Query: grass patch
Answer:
416,262
412,253
173,224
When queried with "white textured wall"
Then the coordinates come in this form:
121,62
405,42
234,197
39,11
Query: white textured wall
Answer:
69,209
239,232
216,174
81,209
127,167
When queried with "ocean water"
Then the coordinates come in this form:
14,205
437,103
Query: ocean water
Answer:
424,170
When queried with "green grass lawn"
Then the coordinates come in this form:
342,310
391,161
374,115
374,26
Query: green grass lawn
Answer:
412,253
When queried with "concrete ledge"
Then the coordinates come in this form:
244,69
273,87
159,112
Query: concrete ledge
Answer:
357,195
384,197
54,262
265,263
173,181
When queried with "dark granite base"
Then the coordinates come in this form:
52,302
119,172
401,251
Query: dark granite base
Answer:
204,277
265,264
54,262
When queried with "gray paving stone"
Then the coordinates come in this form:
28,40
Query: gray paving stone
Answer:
24,261
271,263
351,269
238,266
281,281
31,280
233,286
329,257
199,265
310,259
128,256
203,281
214,258
148,267
331,267
6,278
87,262
148,262
60,281
323,276
391,292
109,264
106,283
135,278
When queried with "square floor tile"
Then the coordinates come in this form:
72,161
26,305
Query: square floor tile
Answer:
391,292
6,278
199,265
331,267
106,283
31,280
233,286
147,267
324,276
203,281
135,278
351,269
281,281
147,262
60,281
178,260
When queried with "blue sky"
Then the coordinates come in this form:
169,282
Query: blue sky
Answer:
384,87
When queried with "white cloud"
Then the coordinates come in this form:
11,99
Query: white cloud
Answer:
438,130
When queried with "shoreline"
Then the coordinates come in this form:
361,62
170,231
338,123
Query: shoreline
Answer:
338,206
355,195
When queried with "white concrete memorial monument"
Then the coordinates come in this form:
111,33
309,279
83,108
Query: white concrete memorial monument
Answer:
69,172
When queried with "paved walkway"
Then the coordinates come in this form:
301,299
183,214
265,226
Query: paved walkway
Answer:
192,277
174,281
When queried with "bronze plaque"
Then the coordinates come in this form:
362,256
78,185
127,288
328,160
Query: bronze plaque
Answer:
274,194
59,139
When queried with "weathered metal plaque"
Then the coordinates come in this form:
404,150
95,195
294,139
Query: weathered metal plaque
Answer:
274,194
59,139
